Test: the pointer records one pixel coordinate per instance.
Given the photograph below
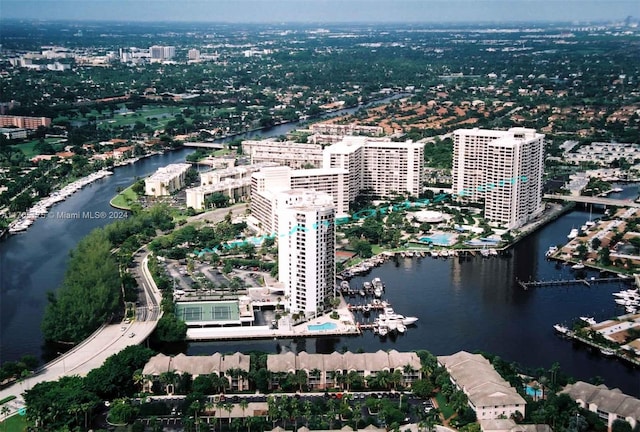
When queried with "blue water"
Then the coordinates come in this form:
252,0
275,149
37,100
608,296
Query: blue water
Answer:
323,326
439,239
533,392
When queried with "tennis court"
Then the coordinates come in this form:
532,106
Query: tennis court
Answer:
204,312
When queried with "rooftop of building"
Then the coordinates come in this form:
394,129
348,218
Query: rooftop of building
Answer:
479,380
605,399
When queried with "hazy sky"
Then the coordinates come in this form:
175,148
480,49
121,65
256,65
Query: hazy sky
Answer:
322,10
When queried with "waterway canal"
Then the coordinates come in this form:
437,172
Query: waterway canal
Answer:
472,304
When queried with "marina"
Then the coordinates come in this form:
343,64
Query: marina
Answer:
449,296
41,209
613,334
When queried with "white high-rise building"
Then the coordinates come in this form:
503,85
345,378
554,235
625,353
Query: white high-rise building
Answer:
306,250
270,181
379,165
502,168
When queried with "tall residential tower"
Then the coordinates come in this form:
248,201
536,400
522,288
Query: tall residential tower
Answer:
306,250
503,169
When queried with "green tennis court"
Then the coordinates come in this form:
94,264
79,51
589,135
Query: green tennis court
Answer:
199,312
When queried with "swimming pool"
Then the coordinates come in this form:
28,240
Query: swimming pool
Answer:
323,326
440,239
535,393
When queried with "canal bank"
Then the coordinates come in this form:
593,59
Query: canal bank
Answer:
33,263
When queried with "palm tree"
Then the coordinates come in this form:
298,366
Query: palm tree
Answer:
220,405
459,401
228,407
408,371
244,405
396,378
383,379
351,378
315,374
300,378
168,379
335,377
306,410
138,379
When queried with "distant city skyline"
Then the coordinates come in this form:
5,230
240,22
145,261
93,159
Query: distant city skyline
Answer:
322,11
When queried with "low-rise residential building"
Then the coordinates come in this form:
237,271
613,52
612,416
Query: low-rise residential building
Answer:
346,129
610,405
288,153
233,367
490,396
24,122
13,133
323,369
166,180
602,153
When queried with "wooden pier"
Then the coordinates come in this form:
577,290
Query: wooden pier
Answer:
566,282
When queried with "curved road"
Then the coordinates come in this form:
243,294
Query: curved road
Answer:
104,342
111,338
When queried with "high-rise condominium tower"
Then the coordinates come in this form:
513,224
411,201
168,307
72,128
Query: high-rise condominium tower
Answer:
503,169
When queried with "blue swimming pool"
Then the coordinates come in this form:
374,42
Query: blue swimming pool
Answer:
441,239
323,326
535,393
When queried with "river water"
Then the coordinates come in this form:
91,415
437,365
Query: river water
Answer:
471,304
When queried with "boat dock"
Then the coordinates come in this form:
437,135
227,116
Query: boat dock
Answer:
618,352
566,282
369,306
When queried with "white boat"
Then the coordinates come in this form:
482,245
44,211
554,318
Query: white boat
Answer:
608,352
367,307
627,302
484,253
383,330
626,293
389,314
617,189
493,252
377,291
588,320
551,251
578,266
401,328
344,286
561,329
573,234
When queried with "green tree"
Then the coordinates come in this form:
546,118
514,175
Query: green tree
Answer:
92,275
170,329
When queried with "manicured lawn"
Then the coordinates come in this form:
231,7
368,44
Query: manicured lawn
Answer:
445,409
27,147
125,198
16,423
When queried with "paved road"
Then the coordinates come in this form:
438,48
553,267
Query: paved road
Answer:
104,342
113,338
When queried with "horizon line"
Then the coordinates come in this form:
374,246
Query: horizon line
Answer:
310,22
